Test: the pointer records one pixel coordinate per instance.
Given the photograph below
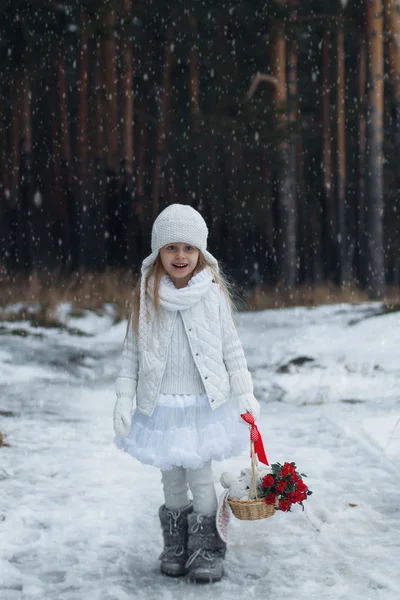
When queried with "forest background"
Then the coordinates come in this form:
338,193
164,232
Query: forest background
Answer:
278,120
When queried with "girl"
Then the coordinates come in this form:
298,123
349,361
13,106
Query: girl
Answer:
185,373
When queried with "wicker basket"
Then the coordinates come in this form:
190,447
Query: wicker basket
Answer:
254,508
251,510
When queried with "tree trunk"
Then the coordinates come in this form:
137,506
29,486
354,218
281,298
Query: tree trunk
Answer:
341,160
162,120
82,144
62,152
27,205
375,206
15,133
128,223
111,140
127,88
392,18
361,142
292,143
99,213
329,200
99,93
17,229
193,73
56,206
285,187
66,184
4,184
268,226
110,80
63,114
194,168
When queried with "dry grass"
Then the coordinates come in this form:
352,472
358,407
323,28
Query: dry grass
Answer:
92,291
2,440
305,295
265,297
83,290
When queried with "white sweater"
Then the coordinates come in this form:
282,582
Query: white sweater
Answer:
181,376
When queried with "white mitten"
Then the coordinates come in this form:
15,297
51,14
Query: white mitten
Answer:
123,415
248,403
126,392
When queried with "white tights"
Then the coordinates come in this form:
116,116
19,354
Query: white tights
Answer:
201,483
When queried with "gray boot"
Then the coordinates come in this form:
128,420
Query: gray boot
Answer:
206,549
174,525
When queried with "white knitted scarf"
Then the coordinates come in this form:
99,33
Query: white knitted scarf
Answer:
173,299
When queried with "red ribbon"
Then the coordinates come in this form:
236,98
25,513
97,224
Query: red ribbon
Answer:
255,436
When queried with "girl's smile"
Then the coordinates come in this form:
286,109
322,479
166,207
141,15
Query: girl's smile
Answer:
179,260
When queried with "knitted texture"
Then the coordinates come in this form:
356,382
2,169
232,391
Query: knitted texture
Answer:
214,344
173,299
125,386
181,376
179,223
126,382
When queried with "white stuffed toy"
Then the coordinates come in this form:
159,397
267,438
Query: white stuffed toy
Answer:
236,487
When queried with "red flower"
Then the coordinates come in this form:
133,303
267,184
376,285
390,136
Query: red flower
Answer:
297,496
287,469
280,486
284,505
301,486
268,481
270,498
294,477
292,497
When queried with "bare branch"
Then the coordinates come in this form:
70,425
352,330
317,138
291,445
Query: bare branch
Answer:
256,79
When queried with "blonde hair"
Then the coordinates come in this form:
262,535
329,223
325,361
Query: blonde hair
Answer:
157,271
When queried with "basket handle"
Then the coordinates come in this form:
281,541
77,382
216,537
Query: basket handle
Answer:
253,482
255,436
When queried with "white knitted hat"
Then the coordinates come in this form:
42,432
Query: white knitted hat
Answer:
178,223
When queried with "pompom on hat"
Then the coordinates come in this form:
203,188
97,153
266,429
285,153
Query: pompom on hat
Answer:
179,223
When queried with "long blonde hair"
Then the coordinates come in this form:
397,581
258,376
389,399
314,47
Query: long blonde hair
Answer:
157,271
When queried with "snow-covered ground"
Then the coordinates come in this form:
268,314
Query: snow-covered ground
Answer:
78,518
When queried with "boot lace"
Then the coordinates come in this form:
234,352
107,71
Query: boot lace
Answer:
206,554
197,525
200,552
173,519
179,549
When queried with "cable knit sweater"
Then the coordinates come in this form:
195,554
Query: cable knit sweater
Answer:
181,376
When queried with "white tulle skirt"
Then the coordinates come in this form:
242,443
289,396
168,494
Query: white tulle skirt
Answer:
184,431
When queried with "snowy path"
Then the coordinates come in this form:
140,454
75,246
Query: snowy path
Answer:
78,519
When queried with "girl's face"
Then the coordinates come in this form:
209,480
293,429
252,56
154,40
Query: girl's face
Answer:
179,261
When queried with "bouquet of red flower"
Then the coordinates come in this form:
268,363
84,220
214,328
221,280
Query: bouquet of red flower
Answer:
279,489
284,487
